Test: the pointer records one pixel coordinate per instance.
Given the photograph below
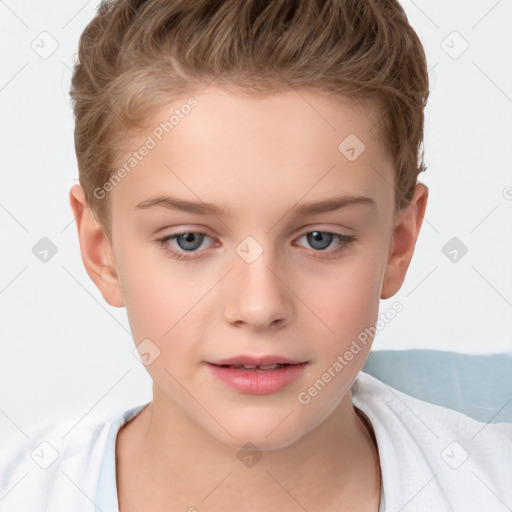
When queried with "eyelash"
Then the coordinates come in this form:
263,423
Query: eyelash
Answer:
345,240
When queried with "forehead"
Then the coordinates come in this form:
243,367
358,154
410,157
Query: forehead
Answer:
241,148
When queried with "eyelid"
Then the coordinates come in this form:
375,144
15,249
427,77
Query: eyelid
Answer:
325,228
179,233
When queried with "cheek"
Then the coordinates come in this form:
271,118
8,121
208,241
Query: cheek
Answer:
347,304
347,296
166,303
155,294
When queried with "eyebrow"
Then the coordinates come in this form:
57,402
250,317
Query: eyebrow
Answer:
202,208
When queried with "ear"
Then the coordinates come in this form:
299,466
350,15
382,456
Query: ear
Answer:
407,228
96,249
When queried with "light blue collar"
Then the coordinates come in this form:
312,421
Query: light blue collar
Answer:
106,492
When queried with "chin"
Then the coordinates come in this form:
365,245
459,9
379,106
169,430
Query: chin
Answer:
258,441
272,433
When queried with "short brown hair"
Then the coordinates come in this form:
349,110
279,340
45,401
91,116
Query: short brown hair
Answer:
135,55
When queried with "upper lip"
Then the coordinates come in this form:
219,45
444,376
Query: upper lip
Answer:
255,360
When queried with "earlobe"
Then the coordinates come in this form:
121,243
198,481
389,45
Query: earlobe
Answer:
407,228
96,249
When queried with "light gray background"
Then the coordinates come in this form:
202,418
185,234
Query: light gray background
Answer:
64,351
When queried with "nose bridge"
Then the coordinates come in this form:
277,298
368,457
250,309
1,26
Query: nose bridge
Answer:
257,295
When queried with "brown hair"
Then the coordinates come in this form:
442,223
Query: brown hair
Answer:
135,55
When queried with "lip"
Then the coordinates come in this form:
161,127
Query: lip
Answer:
257,381
255,360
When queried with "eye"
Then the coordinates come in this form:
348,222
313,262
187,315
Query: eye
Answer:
179,244
321,240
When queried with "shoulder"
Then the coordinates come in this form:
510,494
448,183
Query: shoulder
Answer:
58,464
433,455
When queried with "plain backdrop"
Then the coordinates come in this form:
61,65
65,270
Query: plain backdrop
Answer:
65,351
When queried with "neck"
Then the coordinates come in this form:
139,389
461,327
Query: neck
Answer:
333,467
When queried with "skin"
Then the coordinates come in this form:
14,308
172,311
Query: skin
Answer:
261,157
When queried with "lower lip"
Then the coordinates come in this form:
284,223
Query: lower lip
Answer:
258,382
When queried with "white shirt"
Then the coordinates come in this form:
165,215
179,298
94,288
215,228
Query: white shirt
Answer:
432,459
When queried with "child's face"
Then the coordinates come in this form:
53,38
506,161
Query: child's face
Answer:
256,284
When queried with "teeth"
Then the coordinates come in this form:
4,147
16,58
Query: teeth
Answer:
261,367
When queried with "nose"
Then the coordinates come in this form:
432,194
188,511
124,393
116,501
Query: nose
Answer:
258,294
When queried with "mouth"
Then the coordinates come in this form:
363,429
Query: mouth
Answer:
257,376
263,367
262,362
